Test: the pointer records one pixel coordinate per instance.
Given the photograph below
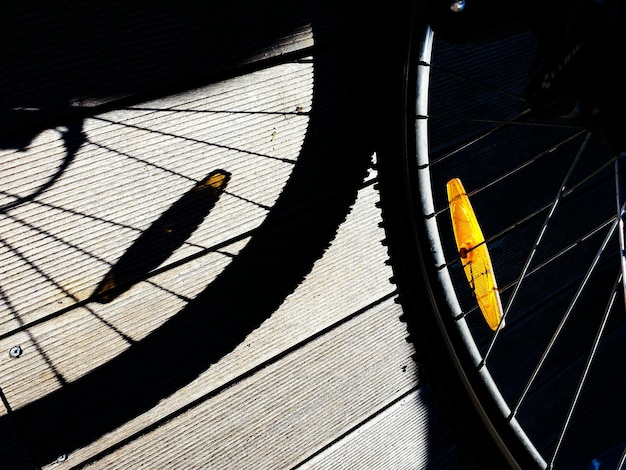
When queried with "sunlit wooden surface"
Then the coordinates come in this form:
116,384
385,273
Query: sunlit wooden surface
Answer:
321,376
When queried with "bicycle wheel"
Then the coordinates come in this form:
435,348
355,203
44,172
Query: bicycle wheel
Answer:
546,391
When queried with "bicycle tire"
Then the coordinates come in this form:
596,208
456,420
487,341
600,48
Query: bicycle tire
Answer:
475,386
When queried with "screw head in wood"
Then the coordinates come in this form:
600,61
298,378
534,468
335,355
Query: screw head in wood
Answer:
15,351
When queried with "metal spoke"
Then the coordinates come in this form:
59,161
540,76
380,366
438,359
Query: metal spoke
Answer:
572,241
622,459
550,125
565,318
586,369
621,209
480,137
480,83
517,169
538,240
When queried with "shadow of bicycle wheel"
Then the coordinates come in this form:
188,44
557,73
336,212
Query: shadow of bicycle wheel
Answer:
298,229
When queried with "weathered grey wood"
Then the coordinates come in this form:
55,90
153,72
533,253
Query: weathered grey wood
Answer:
69,346
352,266
101,52
355,259
290,408
133,166
395,438
325,381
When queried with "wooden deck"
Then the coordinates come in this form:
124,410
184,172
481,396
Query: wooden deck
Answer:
151,320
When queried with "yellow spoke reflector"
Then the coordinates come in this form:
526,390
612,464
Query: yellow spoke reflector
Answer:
474,254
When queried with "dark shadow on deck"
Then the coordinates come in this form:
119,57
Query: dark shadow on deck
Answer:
103,54
159,241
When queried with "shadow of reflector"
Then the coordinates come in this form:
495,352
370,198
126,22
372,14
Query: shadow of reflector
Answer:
163,237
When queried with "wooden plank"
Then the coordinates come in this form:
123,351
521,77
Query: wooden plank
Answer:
408,433
290,408
395,438
323,362
67,348
96,53
132,166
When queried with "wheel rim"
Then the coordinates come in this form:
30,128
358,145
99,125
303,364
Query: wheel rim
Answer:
522,375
